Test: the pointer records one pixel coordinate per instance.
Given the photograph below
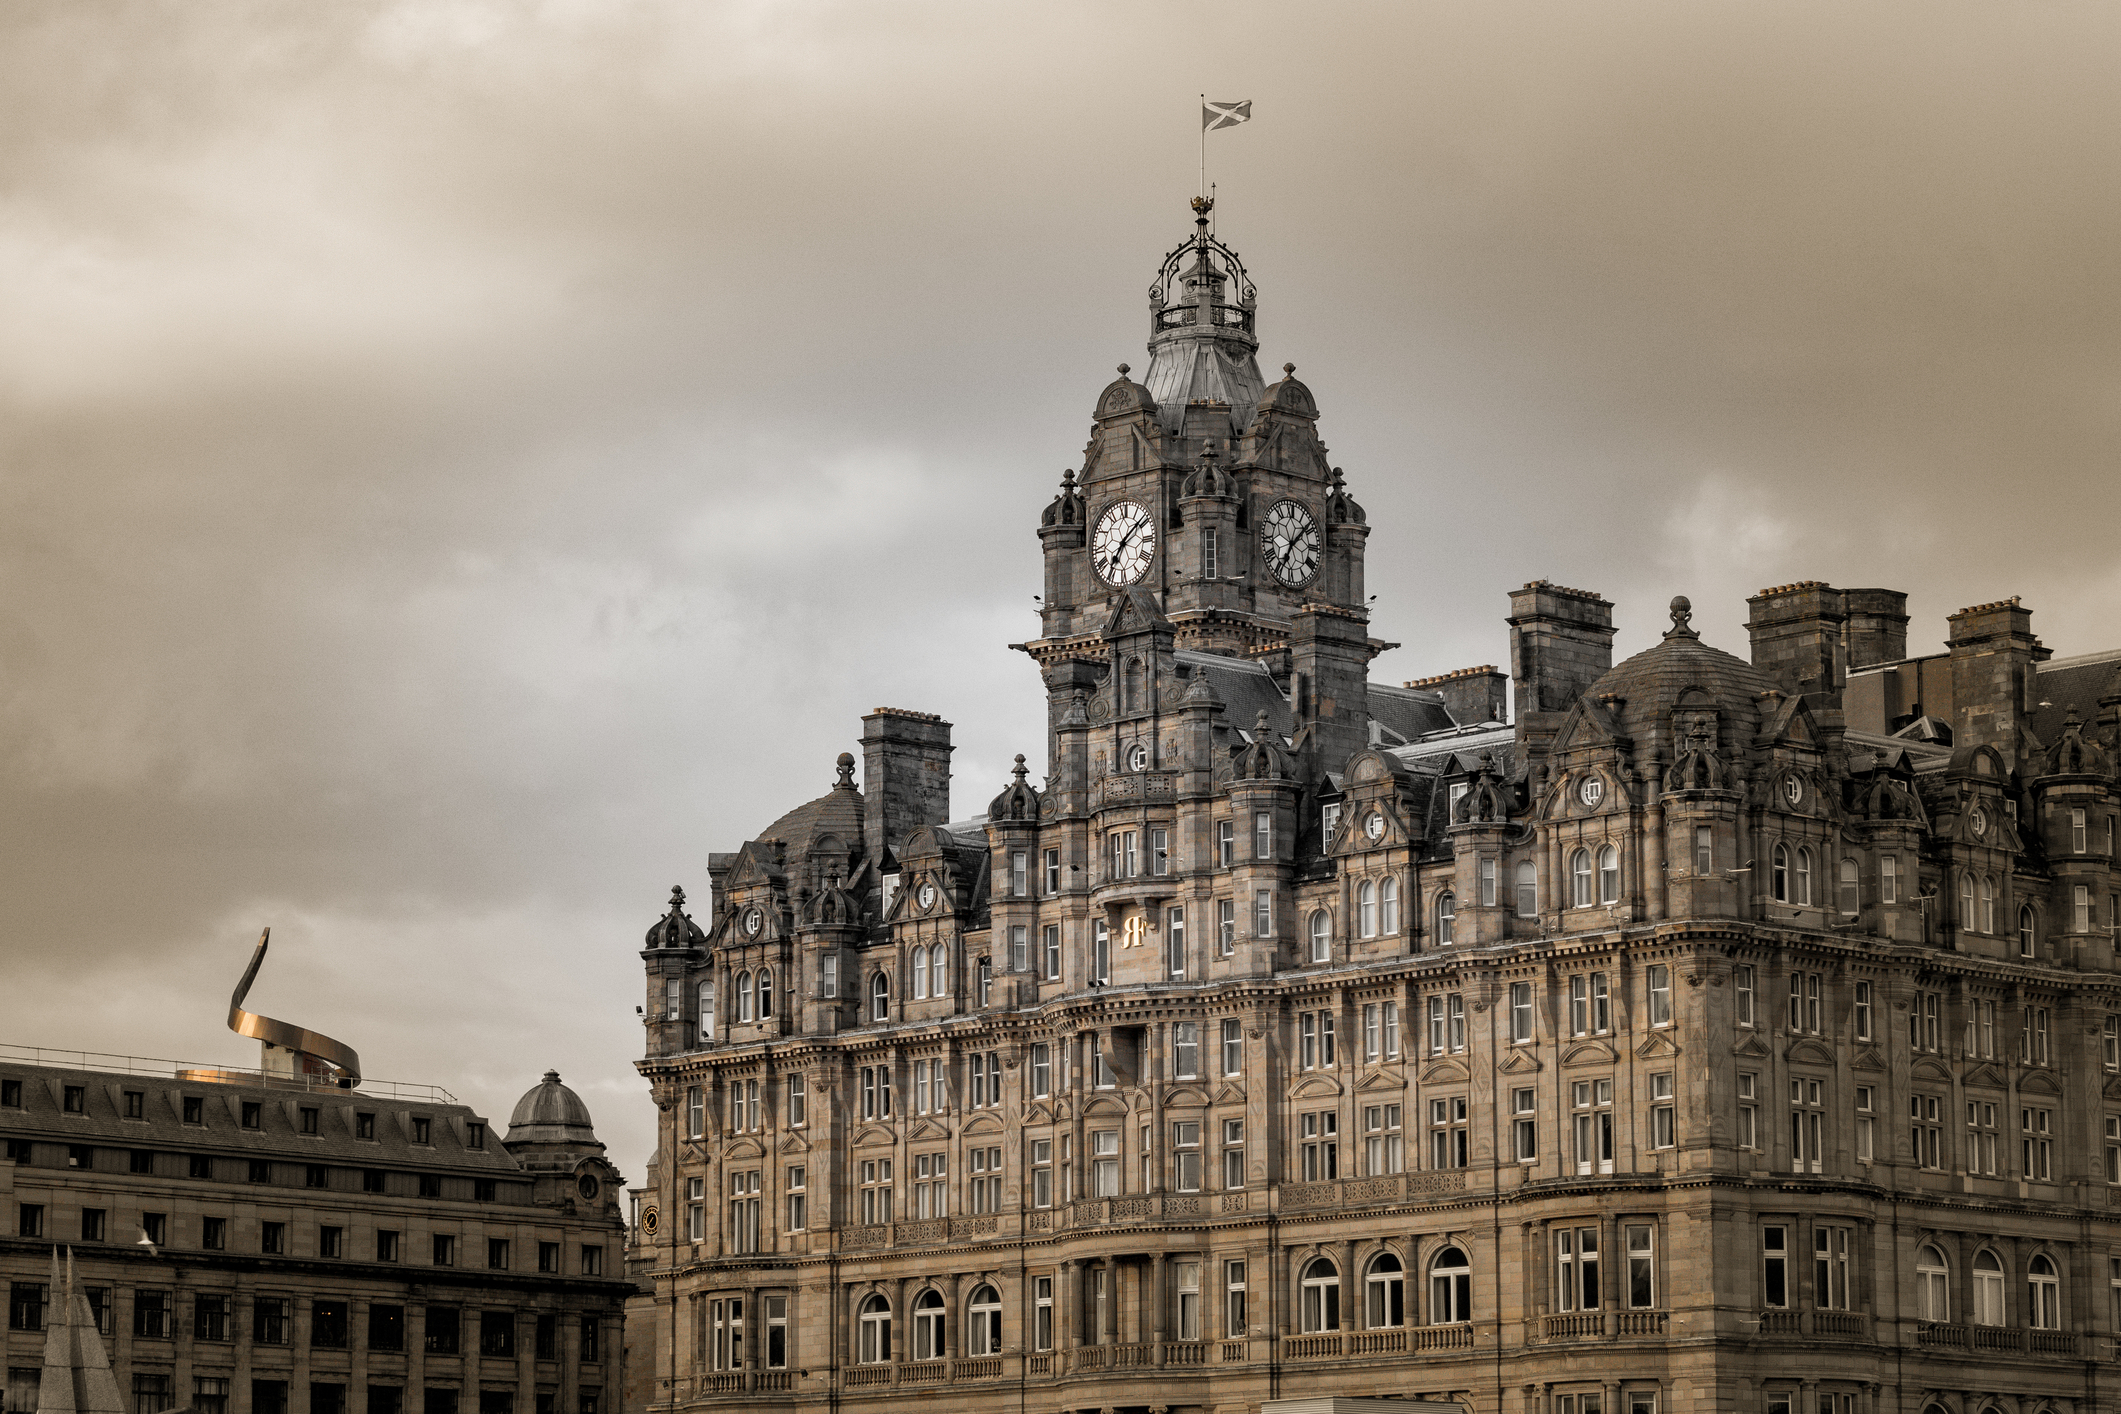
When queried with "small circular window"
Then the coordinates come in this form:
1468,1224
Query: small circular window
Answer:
1590,790
588,1186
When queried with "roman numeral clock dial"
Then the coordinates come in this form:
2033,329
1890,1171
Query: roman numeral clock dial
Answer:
1124,543
1289,539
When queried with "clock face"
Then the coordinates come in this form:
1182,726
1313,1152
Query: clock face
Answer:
1138,757
1124,543
1590,790
1374,827
1289,540
753,921
926,896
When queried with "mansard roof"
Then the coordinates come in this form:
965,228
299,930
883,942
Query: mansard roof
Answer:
1650,685
838,812
2065,685
1408,713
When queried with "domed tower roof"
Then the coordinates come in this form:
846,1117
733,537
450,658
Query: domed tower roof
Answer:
551,1116
1683,671
1202,343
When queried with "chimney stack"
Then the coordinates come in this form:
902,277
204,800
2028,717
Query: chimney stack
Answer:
1561,641
905,775
1470,695
1809,634
1993,653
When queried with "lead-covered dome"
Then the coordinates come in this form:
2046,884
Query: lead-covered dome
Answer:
1683,673
550,1113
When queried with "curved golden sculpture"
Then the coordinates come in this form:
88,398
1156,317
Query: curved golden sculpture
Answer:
336,1056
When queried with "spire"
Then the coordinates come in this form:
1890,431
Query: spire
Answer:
76,1377
1203,346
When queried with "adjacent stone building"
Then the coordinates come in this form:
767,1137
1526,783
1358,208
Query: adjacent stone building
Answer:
260,1243
1715,1032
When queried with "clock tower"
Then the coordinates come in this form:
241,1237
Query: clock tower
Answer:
1206,519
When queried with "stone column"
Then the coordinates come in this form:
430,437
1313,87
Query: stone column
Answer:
1155,1300
901,1325
1653,851
1351,1289
1108,1319
953,1320
1067,1310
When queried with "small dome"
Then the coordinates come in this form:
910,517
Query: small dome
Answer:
550,1113
1654,682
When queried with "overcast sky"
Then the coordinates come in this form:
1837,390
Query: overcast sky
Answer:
462,462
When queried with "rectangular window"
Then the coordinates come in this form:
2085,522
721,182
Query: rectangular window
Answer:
2113,1148
269,1320
828,977
328,1325
497,1254
1742,988
1100,951
1520,1013
209,1317
1102,1076
2081,908
1042,1320
1774,1265
1019,947
1104,1163
1226,927
1320,1148
1660,983
1263,914
1447,1132
1175,940
25,1310
1383,1144
1704,850
1042,1173
386,1245
1640,1240
272,1238
1866,1125
29,1220
1210,567
1591,1103
1185,1050
1188,1284
798,1101
1807,1124
2035,1131
1524,1126
1748,1113
1051,935
445,1250
1889,879
1487,883
1830,1267
1863,1011
1233,1046
1234,1326
1020,873
2110,1042
1926,1130
1185,1146
1053,872
1576,1268
1225,843
2076,832
1262,834
1663,1113
1159,852
1391,1030
1041,1070
1233,1153
1372,1038
1328,823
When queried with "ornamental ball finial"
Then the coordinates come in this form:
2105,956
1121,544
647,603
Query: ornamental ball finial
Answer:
1123,370
1289,369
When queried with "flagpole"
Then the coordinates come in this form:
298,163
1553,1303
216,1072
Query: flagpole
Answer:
1203,191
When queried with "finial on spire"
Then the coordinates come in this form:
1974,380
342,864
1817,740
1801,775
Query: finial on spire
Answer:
1261,726
677,897
844,768
1123,370
1019,770
1682,618
1289,369
1339,480
1067,476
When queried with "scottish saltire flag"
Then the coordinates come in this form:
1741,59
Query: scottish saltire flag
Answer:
1224,115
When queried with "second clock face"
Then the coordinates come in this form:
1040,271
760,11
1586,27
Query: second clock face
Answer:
1288,538
1124,543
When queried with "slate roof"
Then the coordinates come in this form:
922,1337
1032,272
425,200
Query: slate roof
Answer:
1245,687
278,1136
1869,751
2067,684
1406,712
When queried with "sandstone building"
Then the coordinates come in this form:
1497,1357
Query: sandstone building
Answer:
257,1243
1712,1032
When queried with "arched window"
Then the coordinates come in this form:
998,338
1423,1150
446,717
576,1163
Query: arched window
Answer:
1385,1293
1527,890
1450,1288
1388,906
938,972
2027,940
1446,916
1966,902
743,996
928,1325
1801,886
1851,894
983,1314
875,1347
1321,1296
920,972
1609,875
765,994
1321,936
1366,907
1988,904
1779,875
1131,687
2043,1295
1580,895
706,1011
1988,1289
880,998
